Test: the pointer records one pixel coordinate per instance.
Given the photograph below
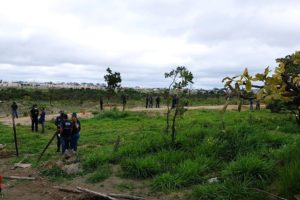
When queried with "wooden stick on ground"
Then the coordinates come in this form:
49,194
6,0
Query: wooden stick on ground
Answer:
268,193
19,177
67,190
125,196
104,196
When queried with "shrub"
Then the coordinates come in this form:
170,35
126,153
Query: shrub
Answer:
101,174
210,191
249,167
290,179
230,144
166,181
191,171
114,114
227,190
169,160
141,167
270,140
96,159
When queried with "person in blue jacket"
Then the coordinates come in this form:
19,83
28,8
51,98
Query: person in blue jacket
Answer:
75,132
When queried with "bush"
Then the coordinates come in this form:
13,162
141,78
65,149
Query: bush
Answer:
204,192
249,168
94,160
227,190
101,174
114,114
290,179
169,160
191,171
166,181
141,167
230,144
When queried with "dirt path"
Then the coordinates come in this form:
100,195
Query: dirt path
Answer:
86,115
27,120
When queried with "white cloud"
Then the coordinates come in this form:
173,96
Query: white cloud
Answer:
76,40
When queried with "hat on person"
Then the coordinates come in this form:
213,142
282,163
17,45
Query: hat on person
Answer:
74,115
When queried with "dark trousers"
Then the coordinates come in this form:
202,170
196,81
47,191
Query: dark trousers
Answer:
157,104
101,106
65,143
74,140
58,140
34,124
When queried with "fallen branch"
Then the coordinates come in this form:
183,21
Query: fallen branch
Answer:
124,196
67,190
104,196
268,193
19,177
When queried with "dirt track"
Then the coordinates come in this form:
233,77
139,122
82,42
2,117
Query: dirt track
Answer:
27,121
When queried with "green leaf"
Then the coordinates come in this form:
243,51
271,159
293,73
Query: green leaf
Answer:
248,85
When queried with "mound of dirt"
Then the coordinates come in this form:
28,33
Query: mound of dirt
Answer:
69,163
7,153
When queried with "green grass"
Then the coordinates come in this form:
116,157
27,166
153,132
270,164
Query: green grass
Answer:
263,152
101,174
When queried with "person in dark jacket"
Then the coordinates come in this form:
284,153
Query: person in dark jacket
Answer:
147,101
59,119
14,109
75,132
42,119
124,101
34,115
157,99
174,101
66,129
101,104
150,102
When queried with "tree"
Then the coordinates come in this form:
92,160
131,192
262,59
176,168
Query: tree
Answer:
181,78
283,84
113,81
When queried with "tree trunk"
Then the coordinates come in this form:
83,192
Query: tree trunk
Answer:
174,125
298,118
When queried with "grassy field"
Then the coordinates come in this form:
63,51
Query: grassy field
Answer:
243,151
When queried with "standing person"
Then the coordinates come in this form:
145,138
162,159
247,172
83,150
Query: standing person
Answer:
157,101
151,102
75,132
34,115
66,129
251,103
174,101
124,101
147,101
257,106
101,104
58,121
42,119
14,109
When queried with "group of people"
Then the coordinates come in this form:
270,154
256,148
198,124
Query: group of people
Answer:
36,118
257,104
68,132
149,101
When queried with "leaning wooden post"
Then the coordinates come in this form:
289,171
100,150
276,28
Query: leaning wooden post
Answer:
15,135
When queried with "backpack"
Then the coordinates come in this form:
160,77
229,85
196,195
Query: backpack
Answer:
67,128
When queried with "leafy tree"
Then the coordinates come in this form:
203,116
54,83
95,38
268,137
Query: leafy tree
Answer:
283,84
181,78
113,81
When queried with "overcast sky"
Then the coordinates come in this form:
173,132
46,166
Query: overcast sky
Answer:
76,40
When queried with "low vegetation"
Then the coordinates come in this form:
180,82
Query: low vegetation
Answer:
242,156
